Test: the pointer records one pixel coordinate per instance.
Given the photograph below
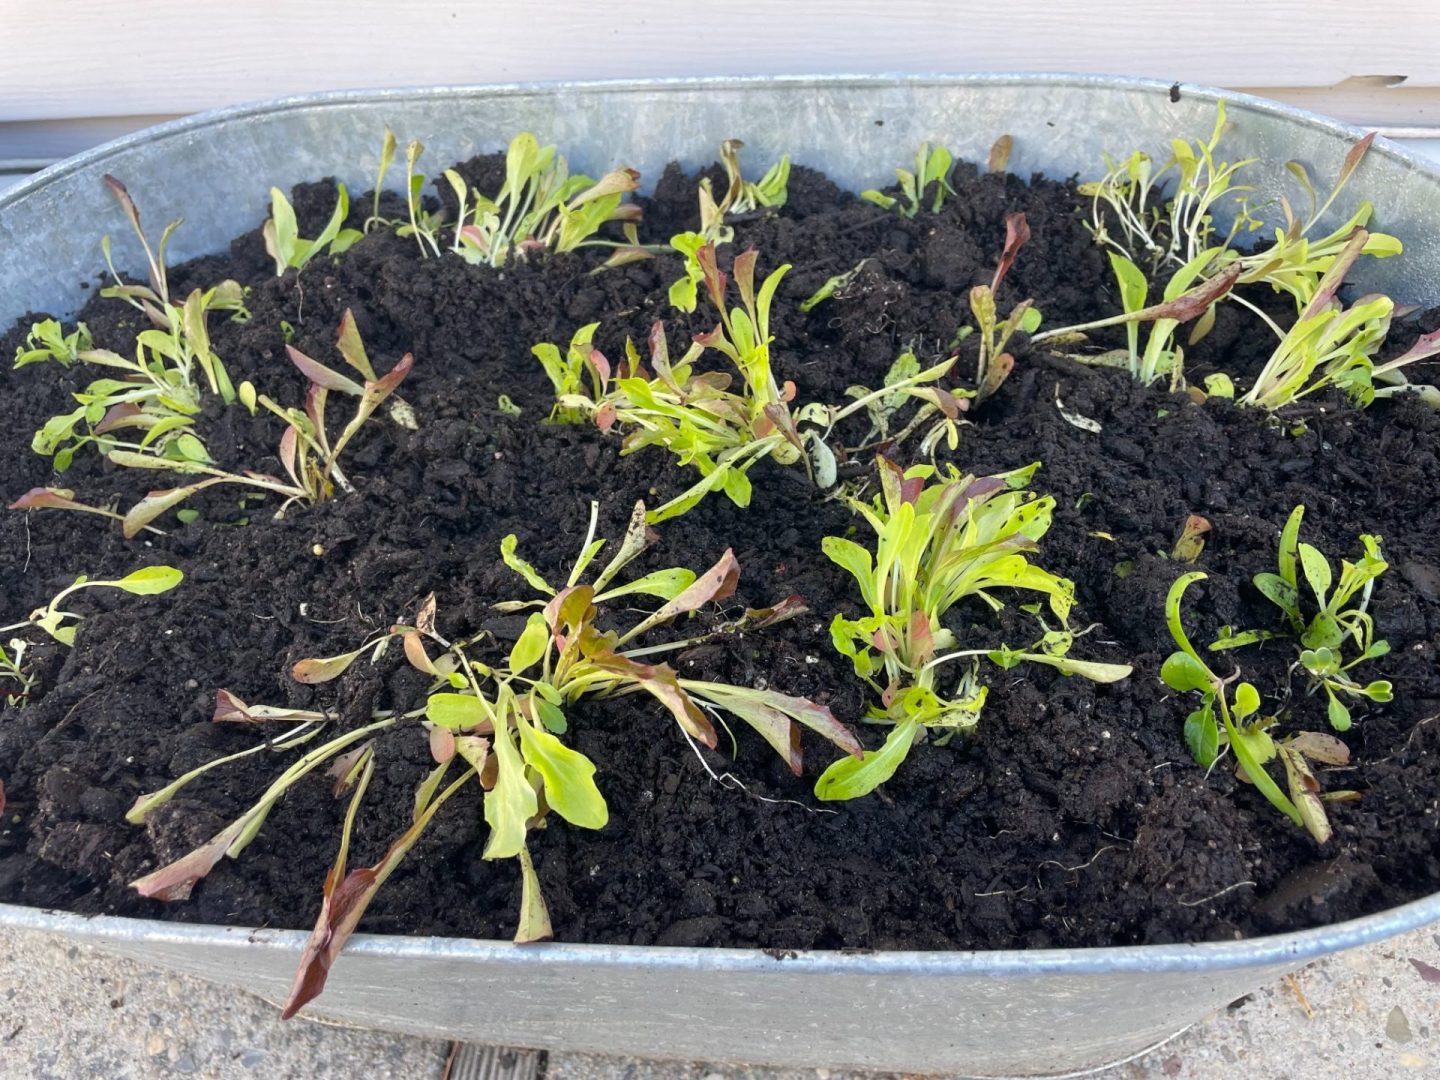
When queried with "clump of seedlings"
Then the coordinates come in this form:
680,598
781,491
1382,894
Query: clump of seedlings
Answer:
938,540
694,414
1177,235
933,165
149,409
720,432
310,457
1341,618
61,625
500,717
741,197
1240,730
540,209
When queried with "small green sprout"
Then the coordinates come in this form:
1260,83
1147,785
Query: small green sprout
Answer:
282,233
932,166
744,196
61,625
501,719
937,543
833,286
1185,672
995,364
47,340
1341,618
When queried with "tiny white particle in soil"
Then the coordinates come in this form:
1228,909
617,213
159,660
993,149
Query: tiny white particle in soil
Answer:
1104,734
812,659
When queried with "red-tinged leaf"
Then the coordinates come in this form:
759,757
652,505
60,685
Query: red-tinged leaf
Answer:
659,346
42,498
780,417
384,386
789,608
352,348
315,398
343,769
416,654
980,489
1426,345
1334,277
715,280
344,903
788,390
996,372
321,375
175,880
601,366
714,584
116,416
122,193
289,446
744,271
230,709
605,416
157,502
889,694
442,744
1017,235
1194,302
922,642
661,683
1353,159
884,639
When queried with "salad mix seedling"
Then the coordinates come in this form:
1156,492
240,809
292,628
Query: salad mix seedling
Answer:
933,165
939,539
61,625
310,457
498,716
1341,620
290,251
1241,730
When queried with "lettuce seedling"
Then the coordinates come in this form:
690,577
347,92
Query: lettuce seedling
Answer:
1333,346
719,432
1341,616
62,625
47,340
284,244
932,166
741,196
1138,224
540,208
995,364
504,721
1185,672
309,456
937,543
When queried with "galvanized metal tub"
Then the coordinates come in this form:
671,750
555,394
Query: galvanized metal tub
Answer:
979,1013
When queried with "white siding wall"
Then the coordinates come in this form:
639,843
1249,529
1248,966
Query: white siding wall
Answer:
77,72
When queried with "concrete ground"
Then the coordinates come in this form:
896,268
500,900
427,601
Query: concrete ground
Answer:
70,1012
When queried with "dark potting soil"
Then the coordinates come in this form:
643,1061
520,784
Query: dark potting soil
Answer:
1074,816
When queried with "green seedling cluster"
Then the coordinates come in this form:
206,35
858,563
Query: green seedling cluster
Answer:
1175,236
1228,720
741,197
310,457
933,165
541,208
1334,627
282,237
500,718
61,625
47,340
939,541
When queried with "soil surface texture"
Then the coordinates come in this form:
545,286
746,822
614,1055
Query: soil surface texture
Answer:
1075,815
